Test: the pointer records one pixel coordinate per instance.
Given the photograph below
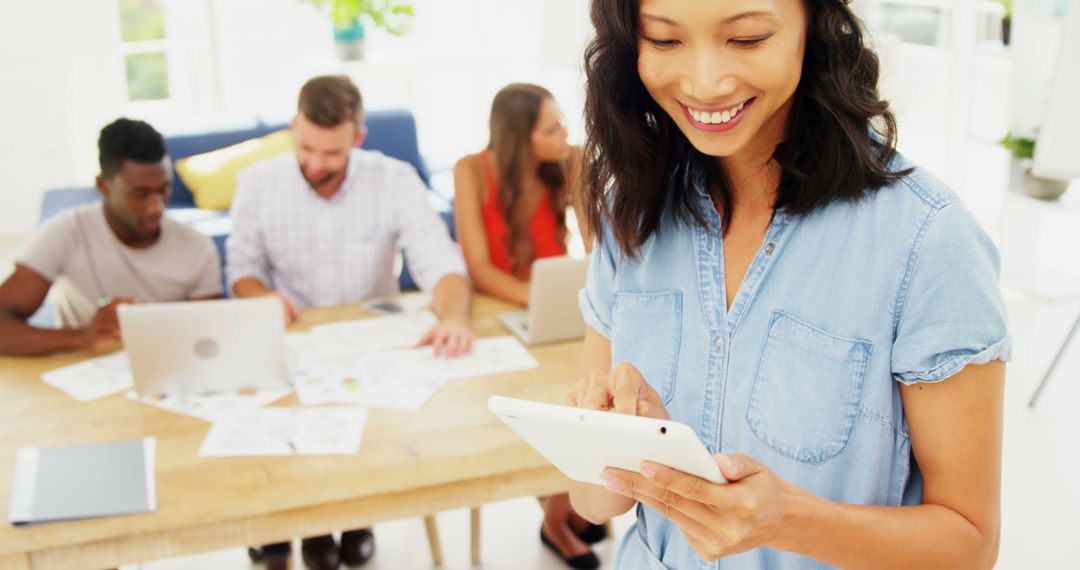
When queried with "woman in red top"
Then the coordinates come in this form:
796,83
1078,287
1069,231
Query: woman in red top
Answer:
510,203
510,199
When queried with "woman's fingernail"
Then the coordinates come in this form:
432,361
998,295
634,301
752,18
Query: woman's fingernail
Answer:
648,470
724,461
610,481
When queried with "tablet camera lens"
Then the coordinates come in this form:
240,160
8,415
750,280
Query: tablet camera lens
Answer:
663,430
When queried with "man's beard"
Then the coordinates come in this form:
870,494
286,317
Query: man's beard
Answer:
316,184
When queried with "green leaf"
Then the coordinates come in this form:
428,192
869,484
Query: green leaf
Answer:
390,15
1020,147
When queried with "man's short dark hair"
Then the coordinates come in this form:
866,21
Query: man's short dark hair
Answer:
127,139
330,100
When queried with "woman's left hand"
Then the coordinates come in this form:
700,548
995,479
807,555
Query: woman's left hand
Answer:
717,519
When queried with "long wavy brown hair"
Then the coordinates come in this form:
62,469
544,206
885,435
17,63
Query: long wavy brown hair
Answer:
514,114
839,145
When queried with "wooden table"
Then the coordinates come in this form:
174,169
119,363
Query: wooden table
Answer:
451,454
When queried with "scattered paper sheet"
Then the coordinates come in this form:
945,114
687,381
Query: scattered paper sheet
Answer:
368,336
371,381
94,378
210,407
489,356
401,379
286,431
414,302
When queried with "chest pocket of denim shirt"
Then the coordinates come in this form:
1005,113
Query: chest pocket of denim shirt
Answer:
646,332
806,389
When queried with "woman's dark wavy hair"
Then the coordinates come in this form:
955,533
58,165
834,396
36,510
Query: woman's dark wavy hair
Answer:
840,140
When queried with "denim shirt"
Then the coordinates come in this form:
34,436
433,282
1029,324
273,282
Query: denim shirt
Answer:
802,373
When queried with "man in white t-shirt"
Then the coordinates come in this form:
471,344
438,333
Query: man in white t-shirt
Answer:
97,256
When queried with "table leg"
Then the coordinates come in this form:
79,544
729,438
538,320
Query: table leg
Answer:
474,520
433,540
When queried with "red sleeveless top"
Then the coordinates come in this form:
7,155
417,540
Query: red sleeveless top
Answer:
543,228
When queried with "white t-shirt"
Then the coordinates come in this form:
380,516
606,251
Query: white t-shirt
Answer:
85,261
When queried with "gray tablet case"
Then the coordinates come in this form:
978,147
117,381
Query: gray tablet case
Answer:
64,483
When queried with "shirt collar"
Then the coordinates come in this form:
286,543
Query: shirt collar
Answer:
350,177
350,170
696,178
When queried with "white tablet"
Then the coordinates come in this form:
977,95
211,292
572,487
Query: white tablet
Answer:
581,443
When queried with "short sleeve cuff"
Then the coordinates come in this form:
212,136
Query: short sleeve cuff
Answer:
1001,350
591,317
36,268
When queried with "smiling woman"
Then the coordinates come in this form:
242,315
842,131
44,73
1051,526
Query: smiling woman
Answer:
767,64
771,272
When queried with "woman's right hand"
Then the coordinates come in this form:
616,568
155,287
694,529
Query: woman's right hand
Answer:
623,390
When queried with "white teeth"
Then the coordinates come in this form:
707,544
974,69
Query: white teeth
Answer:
716,117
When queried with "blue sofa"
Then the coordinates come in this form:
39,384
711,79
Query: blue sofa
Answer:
392,132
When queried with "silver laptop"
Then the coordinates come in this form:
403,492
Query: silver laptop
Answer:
553,312
205,346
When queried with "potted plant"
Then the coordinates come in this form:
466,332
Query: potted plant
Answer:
1023,150
349,15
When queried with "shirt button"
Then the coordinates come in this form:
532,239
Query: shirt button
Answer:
769,248
720,342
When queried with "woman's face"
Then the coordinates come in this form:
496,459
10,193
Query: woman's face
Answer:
724,71
548,138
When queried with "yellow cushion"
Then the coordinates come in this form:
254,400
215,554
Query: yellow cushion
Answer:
211,176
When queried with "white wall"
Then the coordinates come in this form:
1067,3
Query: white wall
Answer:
265,50
952,105
61,83
1037,34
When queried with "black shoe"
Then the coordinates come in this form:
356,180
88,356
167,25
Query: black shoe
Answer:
593,533
587,561
320,553
357,546
270,553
